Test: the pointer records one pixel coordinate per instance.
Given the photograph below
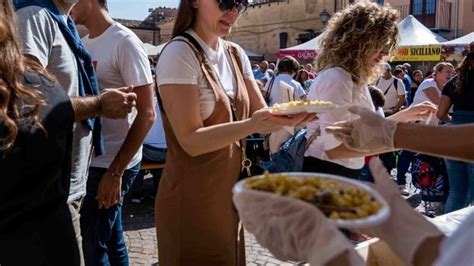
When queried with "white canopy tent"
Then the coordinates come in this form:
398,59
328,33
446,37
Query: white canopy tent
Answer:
464,40
312,44
414,33
152,50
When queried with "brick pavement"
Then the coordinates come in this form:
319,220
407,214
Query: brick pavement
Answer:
140,235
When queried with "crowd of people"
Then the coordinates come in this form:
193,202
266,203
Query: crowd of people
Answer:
78,116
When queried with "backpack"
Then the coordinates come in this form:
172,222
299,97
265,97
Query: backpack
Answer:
290,157
429,174
395,84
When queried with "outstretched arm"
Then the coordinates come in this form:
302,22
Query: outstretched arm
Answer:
371,133
452,142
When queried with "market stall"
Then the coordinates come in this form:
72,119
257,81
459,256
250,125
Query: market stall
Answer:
456,49
417,42
305,52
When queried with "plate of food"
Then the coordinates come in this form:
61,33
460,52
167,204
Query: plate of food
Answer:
296,107
349,203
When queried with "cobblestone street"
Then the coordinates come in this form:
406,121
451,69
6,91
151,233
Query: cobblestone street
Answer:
140,233
140,236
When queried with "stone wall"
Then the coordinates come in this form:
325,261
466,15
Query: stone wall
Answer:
259,29
144,31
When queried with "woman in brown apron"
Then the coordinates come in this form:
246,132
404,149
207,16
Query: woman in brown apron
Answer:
196,222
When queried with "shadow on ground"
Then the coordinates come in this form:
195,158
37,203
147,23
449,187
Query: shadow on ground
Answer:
140,216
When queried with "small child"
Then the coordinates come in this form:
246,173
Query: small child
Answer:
378,99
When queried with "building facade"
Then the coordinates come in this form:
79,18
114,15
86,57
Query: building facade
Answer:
146,31
449,18
269,26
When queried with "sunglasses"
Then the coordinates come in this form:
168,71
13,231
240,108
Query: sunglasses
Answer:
228,5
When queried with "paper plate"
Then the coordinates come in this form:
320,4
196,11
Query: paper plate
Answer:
320,109
366,222
291,110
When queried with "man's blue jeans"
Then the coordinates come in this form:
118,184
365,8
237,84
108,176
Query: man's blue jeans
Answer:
461,185
402,167
460,174
102,230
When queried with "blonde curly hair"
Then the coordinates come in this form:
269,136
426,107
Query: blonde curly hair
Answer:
355,33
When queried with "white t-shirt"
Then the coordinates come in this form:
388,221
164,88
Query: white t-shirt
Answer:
420,95
335,85
42,38
275,95
178,65
156,135
120,60
391,97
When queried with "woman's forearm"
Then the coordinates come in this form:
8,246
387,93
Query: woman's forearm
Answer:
453,142
215,137
255,96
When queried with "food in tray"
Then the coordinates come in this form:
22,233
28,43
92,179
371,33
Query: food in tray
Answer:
301,103
335,199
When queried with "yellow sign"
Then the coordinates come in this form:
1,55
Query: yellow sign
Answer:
419,53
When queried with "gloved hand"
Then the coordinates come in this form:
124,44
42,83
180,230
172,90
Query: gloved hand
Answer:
293,229
405,230
368,133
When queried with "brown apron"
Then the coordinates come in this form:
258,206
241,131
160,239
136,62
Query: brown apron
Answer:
196,223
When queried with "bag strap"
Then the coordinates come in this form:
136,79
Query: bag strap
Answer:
311,138
204,61
270,87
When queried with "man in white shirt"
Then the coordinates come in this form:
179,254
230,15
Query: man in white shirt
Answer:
287,67
119,58
44,40
393,90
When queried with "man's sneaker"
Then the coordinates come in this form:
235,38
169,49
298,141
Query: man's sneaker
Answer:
403,190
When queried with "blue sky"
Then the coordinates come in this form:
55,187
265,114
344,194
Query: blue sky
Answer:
136,9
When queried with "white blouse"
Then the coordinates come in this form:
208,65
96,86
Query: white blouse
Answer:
178,65
335,85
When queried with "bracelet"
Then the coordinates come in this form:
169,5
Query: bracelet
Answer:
115,175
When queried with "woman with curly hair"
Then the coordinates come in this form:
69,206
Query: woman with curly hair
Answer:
458,93
357,39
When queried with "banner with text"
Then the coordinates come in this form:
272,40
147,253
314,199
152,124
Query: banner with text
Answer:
419,53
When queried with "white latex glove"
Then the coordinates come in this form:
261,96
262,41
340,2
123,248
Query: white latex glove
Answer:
368,133
406,229
292,229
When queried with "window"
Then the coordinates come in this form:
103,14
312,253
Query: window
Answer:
417,8
283,40
430,7
380,2
423,7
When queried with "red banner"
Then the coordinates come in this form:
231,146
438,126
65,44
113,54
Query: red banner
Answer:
300,55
